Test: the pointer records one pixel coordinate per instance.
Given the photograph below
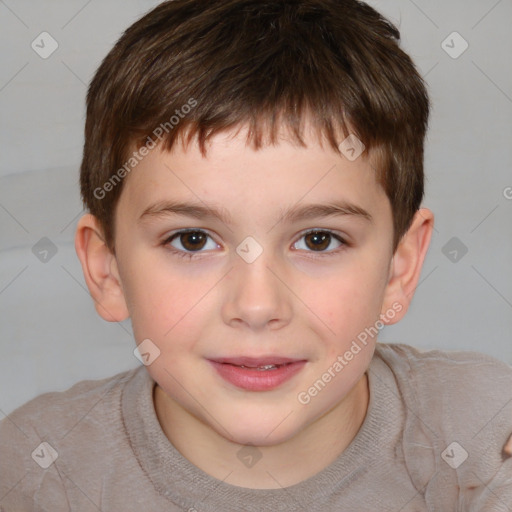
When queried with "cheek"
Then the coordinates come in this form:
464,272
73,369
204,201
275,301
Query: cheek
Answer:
160,302
350,302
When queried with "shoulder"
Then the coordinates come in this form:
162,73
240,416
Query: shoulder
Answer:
58,410
458,409
39,440
451,387
435,375
407,355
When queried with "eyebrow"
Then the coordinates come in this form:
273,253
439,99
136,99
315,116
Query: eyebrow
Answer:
294,214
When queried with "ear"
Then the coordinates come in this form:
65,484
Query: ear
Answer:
406,264
100,270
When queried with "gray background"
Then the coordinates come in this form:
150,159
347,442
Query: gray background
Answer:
51,336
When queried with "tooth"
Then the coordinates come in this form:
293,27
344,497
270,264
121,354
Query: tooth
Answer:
262,368
267,367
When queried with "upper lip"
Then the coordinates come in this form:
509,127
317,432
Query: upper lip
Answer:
255,361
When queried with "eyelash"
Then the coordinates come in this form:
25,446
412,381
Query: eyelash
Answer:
191,254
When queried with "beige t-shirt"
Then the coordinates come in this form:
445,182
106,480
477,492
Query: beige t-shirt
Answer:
431,441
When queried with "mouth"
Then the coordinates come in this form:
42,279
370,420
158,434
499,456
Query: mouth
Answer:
260,368
256,362
257,374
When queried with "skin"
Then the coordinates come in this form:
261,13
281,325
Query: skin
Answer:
292,301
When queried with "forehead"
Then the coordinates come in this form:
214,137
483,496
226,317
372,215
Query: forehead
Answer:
235,177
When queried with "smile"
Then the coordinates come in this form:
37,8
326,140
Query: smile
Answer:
263,377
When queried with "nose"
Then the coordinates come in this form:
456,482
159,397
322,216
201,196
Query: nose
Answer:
257,296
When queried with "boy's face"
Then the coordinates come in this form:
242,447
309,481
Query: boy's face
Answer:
279,293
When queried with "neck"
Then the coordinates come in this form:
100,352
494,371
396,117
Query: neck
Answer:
312,449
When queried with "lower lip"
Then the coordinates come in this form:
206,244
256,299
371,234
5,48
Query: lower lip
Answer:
257,380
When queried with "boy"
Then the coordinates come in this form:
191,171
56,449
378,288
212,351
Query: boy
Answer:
254,173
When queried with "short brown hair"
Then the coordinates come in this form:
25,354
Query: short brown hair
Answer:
267,64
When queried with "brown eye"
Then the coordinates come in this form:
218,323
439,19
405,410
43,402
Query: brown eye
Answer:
193,240
318,240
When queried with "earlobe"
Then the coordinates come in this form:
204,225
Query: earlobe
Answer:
100,270
406,265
